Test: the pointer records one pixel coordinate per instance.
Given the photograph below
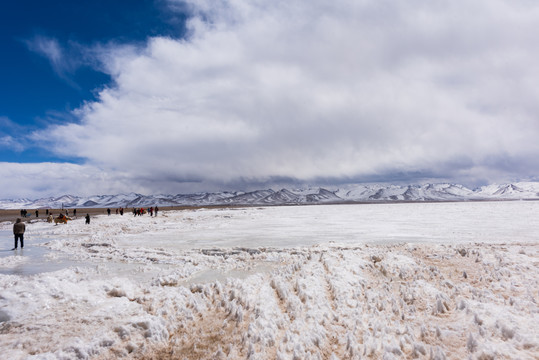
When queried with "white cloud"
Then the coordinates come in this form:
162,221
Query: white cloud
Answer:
8,129
46,179
51,49
64,60
338,90
8,142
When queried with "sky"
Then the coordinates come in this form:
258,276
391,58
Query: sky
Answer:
171,96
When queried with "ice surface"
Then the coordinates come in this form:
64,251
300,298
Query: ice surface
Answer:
438,280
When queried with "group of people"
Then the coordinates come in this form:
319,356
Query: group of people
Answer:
19,227
136,212
118,211
24,213
142,211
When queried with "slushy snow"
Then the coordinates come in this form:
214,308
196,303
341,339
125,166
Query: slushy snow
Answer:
379,281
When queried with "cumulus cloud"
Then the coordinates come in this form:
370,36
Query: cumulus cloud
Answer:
313,91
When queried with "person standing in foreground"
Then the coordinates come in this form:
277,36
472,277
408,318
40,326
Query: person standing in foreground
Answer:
18,231
87,217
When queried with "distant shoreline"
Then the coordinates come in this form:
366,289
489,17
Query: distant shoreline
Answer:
12,215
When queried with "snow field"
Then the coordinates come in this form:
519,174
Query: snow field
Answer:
140,293
339,303
319,304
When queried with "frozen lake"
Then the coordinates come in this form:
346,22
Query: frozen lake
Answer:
349,224
414,280
33,259
281,227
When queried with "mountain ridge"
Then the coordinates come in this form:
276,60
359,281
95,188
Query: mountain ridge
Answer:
350,193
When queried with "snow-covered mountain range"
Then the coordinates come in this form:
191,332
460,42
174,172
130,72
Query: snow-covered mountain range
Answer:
350,193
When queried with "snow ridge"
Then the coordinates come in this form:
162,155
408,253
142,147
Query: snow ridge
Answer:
350,193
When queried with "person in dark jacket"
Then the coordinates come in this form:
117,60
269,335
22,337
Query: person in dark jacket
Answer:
18,231
87,217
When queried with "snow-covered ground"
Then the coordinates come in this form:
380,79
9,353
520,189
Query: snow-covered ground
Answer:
419,280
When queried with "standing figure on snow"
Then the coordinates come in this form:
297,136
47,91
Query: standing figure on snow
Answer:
108,211
87,217
18,231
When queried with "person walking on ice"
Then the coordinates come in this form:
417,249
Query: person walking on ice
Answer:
18,231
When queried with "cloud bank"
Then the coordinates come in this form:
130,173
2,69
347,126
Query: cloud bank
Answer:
315,92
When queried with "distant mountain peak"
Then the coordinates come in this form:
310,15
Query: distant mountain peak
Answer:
311,195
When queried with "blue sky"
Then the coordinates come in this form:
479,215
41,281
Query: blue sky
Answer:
35,91
176,96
